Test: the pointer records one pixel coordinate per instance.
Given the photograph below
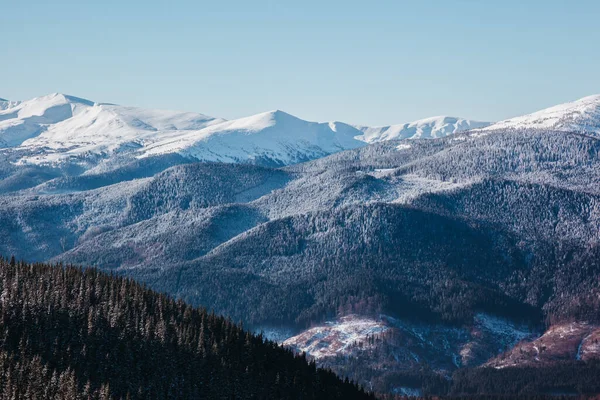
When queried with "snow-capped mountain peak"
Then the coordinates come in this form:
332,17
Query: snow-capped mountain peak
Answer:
273,135
48,106
59,128
22,121
258,122
582,115
428,128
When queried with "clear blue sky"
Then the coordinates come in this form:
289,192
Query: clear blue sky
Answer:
368,62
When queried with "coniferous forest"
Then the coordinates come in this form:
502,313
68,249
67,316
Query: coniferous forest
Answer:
70,333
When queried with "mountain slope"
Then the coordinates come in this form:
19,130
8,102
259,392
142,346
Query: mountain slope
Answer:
75,135
276,136
59,127
200,216
429,128
582,115
28,119
72,334
6,104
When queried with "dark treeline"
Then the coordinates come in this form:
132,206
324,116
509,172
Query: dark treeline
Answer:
573,380
562,378
565,378
82,334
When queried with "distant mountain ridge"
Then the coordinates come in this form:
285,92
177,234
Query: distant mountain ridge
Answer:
428,128
58,129
582,115
5,104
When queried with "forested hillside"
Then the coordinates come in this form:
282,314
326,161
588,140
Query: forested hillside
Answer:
70,333
367,230
359,259
459,240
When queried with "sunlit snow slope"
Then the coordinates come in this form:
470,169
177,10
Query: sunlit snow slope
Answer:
58,128
428,128
582,115
273,135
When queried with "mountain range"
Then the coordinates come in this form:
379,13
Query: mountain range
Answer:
581,116
404,264
58,129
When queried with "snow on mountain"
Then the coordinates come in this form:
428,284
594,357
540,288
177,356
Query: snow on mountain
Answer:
59,128
273,135
336,337
408,343
582,115
27,119
428,128
6,104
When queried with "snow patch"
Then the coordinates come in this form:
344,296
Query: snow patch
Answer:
336,337
503,327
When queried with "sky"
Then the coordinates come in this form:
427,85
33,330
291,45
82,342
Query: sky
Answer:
362,62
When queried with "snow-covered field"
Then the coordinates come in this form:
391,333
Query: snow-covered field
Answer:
337,337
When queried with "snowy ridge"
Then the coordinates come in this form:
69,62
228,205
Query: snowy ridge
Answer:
582,115
6,104
428,128
59,128
275,135
56,127
27,119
